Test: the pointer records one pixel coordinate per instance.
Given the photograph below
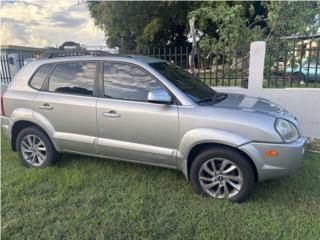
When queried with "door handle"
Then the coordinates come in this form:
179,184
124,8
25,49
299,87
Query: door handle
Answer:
111,114
46,106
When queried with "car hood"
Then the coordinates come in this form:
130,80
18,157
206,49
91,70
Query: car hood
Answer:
254,104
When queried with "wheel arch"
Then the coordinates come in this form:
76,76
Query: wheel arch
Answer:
194,138
19,125
203,146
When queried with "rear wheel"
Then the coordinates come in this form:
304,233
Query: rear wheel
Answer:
35,149
222,173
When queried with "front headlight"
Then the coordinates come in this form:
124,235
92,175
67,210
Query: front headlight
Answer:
287,130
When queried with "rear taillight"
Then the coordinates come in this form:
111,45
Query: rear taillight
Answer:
2,109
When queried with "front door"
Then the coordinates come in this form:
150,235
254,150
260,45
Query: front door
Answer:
129,127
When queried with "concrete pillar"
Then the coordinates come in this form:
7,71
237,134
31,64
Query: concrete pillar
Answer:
256,64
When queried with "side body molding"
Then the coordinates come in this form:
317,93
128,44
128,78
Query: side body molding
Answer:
204,135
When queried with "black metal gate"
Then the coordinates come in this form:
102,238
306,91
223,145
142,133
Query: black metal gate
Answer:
293,63
221,68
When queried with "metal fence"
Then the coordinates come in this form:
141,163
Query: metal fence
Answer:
220,68
5,70
293,63
12,63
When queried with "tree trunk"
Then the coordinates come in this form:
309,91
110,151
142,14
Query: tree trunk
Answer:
194,44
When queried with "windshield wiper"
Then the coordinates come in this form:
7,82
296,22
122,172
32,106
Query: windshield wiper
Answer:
207,99
215,99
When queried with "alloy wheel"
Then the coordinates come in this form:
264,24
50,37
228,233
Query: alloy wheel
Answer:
220,178
33,150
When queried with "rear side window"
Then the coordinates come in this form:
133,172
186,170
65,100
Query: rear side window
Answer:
73,78
40,76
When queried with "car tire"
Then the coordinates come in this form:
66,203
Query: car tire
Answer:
298,78
35,149
235,185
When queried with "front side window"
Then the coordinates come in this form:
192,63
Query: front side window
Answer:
40,76
73,78
127,82
192,87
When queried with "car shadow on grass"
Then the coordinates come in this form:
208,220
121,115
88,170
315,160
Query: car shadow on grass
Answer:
122,167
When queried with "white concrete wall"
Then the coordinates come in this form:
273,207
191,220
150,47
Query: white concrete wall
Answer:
256,64
304,103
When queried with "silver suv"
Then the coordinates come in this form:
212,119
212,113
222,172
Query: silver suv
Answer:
149,111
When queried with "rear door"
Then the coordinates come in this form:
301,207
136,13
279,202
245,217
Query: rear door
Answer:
131,128
68,105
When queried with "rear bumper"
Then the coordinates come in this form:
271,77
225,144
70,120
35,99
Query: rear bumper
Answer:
287,161
6,126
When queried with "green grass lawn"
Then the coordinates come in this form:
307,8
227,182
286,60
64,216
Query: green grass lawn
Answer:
90,198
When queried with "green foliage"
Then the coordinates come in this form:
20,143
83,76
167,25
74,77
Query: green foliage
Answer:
221,25
132,25
240,23
231,21
292,18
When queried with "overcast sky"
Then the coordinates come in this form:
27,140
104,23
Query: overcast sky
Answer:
47,23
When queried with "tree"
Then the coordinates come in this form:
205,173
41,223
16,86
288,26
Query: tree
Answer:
239,23
221,25
292,18
135,24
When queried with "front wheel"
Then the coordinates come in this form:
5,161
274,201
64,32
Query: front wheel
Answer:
222,173
35,149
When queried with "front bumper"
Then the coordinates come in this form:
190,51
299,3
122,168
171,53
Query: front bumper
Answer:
285,163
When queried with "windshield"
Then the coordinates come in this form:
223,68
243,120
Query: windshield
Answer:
192,87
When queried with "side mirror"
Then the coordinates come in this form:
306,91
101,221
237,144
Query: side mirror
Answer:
159,96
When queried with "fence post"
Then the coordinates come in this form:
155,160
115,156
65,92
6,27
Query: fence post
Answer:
256,64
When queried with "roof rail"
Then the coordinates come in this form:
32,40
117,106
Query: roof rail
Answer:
55,53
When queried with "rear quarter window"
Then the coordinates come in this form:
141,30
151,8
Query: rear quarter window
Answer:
40,76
